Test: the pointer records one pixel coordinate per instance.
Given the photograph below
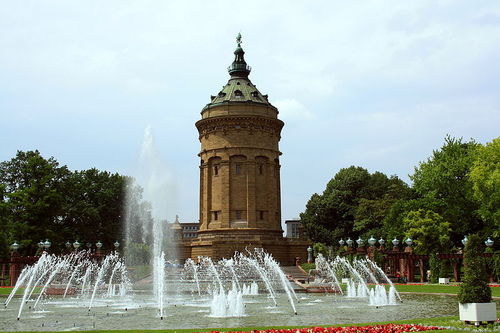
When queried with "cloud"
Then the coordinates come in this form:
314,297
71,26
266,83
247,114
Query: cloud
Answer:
291,109
373,83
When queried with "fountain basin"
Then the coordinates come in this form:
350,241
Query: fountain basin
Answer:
193,311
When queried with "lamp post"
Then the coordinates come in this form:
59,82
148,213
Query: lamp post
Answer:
98,245
489,242
341,242
381,241
41,245
395,243
68,246
309,255
409,243
372,241
76,245
116,244
14,247
47,245
15,266
360,241
464,241
349,242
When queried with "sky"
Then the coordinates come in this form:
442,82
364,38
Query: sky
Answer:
377,84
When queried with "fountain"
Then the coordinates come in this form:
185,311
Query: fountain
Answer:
359,274
79,291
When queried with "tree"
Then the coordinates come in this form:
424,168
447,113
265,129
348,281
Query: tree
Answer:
33,195
371,213
430,232
353,204
485,178
40,199
444,179
93,206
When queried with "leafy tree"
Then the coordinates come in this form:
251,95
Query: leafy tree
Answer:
353,204
474,288
320,248
371,213
93,207
40,199
33,194
430,232
485,178
444,179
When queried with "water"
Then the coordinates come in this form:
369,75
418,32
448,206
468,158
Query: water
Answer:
192,311
359,274
59,274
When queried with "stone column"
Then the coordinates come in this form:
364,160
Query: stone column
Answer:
251,208
225,173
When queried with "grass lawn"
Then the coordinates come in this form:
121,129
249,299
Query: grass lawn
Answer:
5,291
437,288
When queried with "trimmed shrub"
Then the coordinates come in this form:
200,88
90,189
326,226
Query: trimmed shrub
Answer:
474,288
435,267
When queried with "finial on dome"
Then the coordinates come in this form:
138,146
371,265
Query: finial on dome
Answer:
238,39
239,67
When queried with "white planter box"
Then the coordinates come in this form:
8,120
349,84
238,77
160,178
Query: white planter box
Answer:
444,280
478,312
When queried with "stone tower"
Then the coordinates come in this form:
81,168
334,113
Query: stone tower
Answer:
240,204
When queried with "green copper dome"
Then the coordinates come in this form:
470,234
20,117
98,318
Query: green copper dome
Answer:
239,88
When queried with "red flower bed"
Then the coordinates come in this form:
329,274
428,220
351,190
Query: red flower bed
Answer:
387,328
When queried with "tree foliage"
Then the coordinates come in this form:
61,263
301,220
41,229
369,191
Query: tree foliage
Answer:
39,199
485,178
353,204
455,192
444,179
430,231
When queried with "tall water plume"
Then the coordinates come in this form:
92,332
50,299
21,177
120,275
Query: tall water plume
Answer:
151,198
146,222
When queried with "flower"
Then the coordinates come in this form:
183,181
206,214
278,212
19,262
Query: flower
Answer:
387,328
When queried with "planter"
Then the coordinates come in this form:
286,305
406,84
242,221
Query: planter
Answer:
444,280
478,312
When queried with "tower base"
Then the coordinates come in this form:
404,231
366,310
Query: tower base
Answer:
224,243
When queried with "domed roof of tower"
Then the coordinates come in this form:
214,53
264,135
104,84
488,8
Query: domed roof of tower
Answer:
239,88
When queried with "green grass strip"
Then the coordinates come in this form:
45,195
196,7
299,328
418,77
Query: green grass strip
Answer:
453,324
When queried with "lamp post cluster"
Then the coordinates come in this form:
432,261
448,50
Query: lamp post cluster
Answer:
489,242
372,242
45,246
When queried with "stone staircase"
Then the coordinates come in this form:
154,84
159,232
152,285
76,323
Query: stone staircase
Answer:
295,274
301,281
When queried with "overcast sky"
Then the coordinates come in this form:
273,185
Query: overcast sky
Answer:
377,84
